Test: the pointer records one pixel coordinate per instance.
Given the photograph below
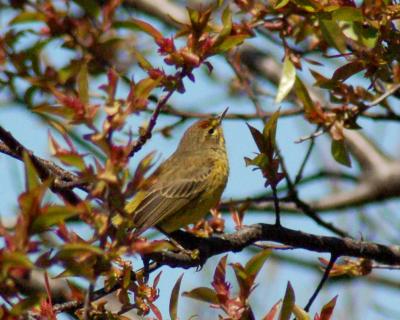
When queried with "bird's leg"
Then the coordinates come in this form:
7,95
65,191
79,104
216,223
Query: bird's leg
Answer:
194,254
146,264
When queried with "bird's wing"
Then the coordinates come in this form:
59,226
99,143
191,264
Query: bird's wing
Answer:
164,199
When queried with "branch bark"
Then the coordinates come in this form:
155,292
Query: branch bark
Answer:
247,236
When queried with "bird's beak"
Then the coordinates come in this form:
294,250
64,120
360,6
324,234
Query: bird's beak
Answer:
222,115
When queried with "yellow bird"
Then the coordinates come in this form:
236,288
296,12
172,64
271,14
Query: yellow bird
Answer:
188,184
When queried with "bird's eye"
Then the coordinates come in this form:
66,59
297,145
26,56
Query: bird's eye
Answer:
211,131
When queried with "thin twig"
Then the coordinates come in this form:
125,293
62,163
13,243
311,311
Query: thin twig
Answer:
153,120
311,136
299,174
322,282
88,300
304,207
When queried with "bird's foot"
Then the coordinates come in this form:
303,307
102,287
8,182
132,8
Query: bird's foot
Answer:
193,254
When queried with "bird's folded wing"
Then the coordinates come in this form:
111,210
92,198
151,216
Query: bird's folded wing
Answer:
167,198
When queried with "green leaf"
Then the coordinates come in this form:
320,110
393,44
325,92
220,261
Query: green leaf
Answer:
173,302
143,62
269,132
26,16
287,304
16,259
332,34
277,4
31,177
308,5
287,80
202,294
348,14
231,42
254,265
72,249
73,160
340,152
259,161
51,216
303,95
83,83
226,22
144,87
366,34
22,306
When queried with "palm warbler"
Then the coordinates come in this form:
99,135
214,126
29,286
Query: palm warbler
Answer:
188,184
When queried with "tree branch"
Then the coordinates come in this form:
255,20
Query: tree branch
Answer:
239,240
46,169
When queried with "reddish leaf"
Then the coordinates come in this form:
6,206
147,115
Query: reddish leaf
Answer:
258,138
173,302
346,71
148,28
327,310
220,285
271,313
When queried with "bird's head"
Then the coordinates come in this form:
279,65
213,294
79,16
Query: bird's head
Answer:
204,134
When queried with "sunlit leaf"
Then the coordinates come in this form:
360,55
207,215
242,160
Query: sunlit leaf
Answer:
332,34
173,302
287,80
143,62
15,259
226,22
145,86
27,16
231,42
53,215
347,14
31,177
269,132
300,313
277,4
303,95
308,5
71,249
202,294
254,265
